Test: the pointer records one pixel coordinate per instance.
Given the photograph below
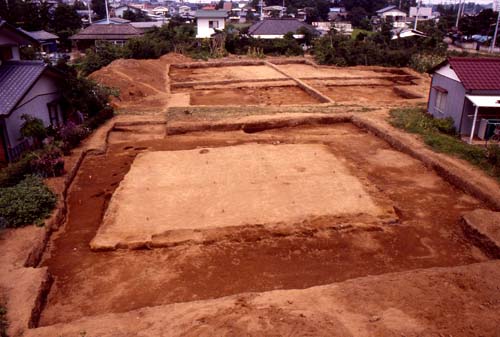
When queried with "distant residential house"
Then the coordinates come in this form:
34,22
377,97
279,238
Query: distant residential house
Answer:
47,41
26,87
95,35
145,26
160,10
468,91
10,40
278,28
207,21
273,11
423,13
337,13
343,27
120,10
394,15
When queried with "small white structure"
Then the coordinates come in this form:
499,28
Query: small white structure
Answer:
207,21
423,13
343,27
160,10
394,15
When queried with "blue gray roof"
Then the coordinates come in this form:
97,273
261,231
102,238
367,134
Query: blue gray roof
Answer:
211,14
278,27
16,79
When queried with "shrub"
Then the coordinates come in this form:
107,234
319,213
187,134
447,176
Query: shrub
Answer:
102,116
28,202
15,172
71,135
33,128
47,162
4,324
439,134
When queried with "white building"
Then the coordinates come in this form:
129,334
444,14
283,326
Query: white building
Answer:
424,13
207,21
394,15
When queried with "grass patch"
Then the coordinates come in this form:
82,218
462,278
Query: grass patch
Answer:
439,134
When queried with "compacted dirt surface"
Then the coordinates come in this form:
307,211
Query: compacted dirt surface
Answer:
320,250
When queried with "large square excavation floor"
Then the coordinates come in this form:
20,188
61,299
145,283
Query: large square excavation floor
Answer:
229,186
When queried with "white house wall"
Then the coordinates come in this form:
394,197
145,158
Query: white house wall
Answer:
35,103
203,31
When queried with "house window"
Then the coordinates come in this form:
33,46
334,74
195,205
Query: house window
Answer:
213,24
53,114
440,105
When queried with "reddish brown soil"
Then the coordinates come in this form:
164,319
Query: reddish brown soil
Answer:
287,95
90,283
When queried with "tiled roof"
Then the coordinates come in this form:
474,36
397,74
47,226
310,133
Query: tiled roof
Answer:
16,78
211,14
477,73
19,34
40,35
107,32
277,27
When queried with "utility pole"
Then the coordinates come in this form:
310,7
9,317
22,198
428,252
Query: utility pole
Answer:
261,4
458,13
90,12
107,11
492,47
419,3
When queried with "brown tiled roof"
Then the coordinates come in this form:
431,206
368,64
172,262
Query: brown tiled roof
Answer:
477,73
107,32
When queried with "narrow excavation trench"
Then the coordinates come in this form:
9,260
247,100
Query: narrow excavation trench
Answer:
91,283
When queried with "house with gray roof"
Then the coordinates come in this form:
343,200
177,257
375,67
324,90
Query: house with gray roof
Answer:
278,28
47,41
96,34
27,87
10,40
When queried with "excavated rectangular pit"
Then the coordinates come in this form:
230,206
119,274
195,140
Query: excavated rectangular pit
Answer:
322,249
252,94
226,73
189,191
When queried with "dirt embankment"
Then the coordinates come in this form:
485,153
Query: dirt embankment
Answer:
142,84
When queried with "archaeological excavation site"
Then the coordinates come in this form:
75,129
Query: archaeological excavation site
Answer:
261,198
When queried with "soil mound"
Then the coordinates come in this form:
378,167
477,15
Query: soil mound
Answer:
139,81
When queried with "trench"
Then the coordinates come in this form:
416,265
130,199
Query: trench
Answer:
91,283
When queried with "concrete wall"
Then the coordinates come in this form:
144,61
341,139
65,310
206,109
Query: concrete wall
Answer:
454,99
203,30
35,103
